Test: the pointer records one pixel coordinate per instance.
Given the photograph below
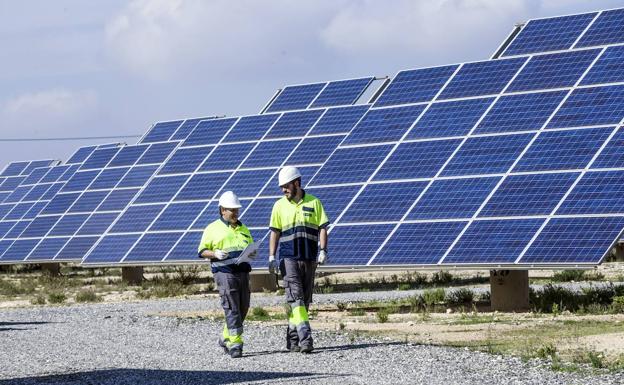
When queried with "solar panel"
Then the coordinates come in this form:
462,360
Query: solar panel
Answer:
608,69
505,162
209,132
591,107
414,86
574,240
607,29
178,200
482,78
81,201
342,92
453,198
551,34
520,112
493,241
187,127
384,125
453,118
161,132
296,97
556,70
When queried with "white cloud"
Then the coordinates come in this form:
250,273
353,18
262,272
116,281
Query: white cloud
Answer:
434,28
54,111
58,102
193,39
163,39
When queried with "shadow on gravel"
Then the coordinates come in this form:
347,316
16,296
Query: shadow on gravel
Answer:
326,349
7,326
157,377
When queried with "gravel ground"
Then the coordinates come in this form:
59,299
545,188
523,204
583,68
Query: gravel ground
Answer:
126,343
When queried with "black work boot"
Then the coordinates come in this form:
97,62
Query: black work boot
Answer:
224,346
292,344
236,352
306,348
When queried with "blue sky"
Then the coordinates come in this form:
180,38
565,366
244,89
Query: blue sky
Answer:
96,68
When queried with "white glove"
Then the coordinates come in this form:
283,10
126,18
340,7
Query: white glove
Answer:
220,254
322,257
273,268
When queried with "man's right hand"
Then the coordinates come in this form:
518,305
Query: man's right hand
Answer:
273,268
220,254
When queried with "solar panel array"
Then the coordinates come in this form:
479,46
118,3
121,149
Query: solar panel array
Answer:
516,161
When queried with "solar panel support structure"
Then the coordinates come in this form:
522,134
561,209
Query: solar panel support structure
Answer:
509,290
275,95
618,252
262,281
51,269
381,89
132,275
517,28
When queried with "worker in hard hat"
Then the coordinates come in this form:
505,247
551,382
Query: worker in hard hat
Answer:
223,243
298,225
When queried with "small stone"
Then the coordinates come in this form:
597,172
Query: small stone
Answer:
449,310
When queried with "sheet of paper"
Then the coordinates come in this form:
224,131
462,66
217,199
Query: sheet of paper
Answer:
249,250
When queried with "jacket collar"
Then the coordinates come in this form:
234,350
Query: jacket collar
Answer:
238,223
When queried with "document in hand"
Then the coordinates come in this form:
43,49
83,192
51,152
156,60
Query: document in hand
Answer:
249,253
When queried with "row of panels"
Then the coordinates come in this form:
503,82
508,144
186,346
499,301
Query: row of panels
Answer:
542,72
581,240
565,32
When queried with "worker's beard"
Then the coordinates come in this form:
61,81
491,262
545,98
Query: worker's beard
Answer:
293,192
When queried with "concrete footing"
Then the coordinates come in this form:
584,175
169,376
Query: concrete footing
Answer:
263,282
52,269
509,290
618,253
132,275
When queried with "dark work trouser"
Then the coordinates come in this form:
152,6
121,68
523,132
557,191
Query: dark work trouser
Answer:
298,285
235,294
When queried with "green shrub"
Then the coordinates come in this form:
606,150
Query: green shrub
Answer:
185,275
594,276
543,300
357,312
431,297
327,289
460,296
617,305
404,286
568,275
56,297
382,316
259,311
546,351
416,302
9,288
416,278
596,359
143,293
169,289
341,306
24,286
87,296
441,277
38,300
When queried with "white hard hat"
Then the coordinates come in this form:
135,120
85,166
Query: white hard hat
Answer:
288,174
229,200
